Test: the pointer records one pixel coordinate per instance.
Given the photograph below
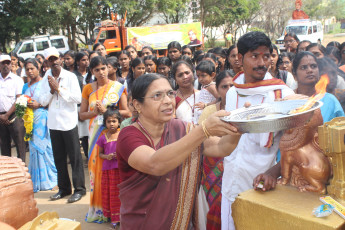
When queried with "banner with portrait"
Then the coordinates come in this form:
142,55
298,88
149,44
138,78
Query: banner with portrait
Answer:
159,36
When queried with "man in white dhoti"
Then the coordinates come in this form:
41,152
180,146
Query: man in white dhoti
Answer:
255,152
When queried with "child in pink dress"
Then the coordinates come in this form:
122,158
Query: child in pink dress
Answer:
110,171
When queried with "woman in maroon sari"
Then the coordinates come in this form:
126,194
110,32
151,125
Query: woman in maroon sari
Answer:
160,161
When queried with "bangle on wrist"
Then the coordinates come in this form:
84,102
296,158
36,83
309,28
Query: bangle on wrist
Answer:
207,134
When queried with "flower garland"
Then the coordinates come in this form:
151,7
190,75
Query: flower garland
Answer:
26,113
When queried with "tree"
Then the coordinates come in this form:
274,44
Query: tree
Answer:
212,16
68,11
138,11
273,16
320,9
92,11
5,27
174,11
226,14
241,17
42,16
20,19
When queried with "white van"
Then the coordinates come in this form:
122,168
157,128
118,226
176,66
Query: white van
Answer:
305,29
29,47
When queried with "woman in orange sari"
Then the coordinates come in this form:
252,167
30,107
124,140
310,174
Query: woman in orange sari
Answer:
96,97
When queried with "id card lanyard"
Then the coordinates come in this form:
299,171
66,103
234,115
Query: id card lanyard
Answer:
100,117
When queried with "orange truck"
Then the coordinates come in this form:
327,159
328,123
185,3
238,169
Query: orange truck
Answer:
115,36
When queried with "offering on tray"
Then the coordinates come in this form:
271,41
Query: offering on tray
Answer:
271,117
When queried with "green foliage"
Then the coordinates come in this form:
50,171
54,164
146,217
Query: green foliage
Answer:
218,12
20,110
230,14
13,22
273,16
25,18
77,18
215,43
256,29
173,11
320,9
92,11
21,18
335,29
138,11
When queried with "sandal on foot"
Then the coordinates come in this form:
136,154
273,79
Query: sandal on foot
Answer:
115,225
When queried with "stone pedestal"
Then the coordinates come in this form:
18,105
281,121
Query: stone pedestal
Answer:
284,208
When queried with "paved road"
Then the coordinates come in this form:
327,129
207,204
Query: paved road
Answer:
75,211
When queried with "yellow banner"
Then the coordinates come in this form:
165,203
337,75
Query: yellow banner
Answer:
159,36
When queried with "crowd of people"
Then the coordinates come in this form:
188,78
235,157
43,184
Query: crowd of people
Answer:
159,155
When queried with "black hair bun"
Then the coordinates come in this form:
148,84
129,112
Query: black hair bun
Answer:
113,106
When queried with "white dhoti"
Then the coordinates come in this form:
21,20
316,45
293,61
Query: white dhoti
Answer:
227,220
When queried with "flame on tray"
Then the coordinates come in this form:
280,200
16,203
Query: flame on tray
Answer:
320,89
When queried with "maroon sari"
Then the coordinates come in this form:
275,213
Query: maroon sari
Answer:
163,202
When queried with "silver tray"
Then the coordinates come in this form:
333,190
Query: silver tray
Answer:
270,117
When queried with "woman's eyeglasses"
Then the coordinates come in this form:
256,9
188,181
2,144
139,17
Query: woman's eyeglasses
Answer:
159,96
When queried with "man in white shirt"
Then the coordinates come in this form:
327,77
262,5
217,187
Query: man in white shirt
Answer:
255,152
11,87
61,93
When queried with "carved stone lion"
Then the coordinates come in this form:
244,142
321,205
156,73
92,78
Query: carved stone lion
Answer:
303,163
